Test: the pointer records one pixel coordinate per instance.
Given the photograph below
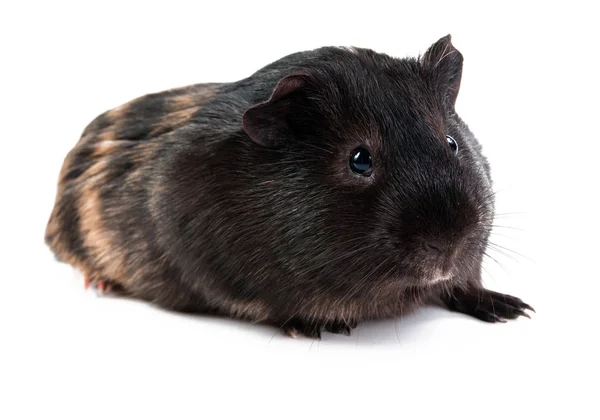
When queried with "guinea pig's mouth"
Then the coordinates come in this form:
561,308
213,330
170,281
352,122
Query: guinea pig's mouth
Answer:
439,277
430,265
431,278
436,274
437,271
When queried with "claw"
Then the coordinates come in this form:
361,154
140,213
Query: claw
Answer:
496,318
523,313
87,282
100,287
292,332
526,306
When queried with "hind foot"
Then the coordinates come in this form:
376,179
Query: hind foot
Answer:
103,287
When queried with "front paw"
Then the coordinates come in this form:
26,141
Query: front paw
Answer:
487,305
340,327
313,329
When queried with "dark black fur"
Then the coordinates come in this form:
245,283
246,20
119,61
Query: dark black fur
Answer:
250,208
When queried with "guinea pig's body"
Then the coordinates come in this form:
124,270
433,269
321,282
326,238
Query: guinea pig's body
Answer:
320,191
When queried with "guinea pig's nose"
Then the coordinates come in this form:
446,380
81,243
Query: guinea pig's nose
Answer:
432,246
435,247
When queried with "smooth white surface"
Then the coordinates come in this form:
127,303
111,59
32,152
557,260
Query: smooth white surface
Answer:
530,93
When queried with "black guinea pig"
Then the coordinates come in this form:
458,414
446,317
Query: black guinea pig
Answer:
332,186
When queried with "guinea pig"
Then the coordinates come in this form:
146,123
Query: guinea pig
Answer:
330,187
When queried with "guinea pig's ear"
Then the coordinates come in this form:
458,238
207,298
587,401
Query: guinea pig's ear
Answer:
267,123
444,63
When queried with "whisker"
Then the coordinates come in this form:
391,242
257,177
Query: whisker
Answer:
511,250
496,261
494,233
503,227
488,273
510,213
500,251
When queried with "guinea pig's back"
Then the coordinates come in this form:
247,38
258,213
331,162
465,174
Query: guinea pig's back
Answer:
100,222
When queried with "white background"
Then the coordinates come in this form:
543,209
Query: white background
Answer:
530,93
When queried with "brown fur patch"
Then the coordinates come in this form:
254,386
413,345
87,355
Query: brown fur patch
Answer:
107,147
188,100
181,108
118,112
105,135
192,96
89,244
98,240
173,120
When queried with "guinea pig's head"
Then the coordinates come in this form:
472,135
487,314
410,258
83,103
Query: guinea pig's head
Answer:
383,181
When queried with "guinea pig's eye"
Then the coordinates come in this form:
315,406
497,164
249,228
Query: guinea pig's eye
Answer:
361,162
453,144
